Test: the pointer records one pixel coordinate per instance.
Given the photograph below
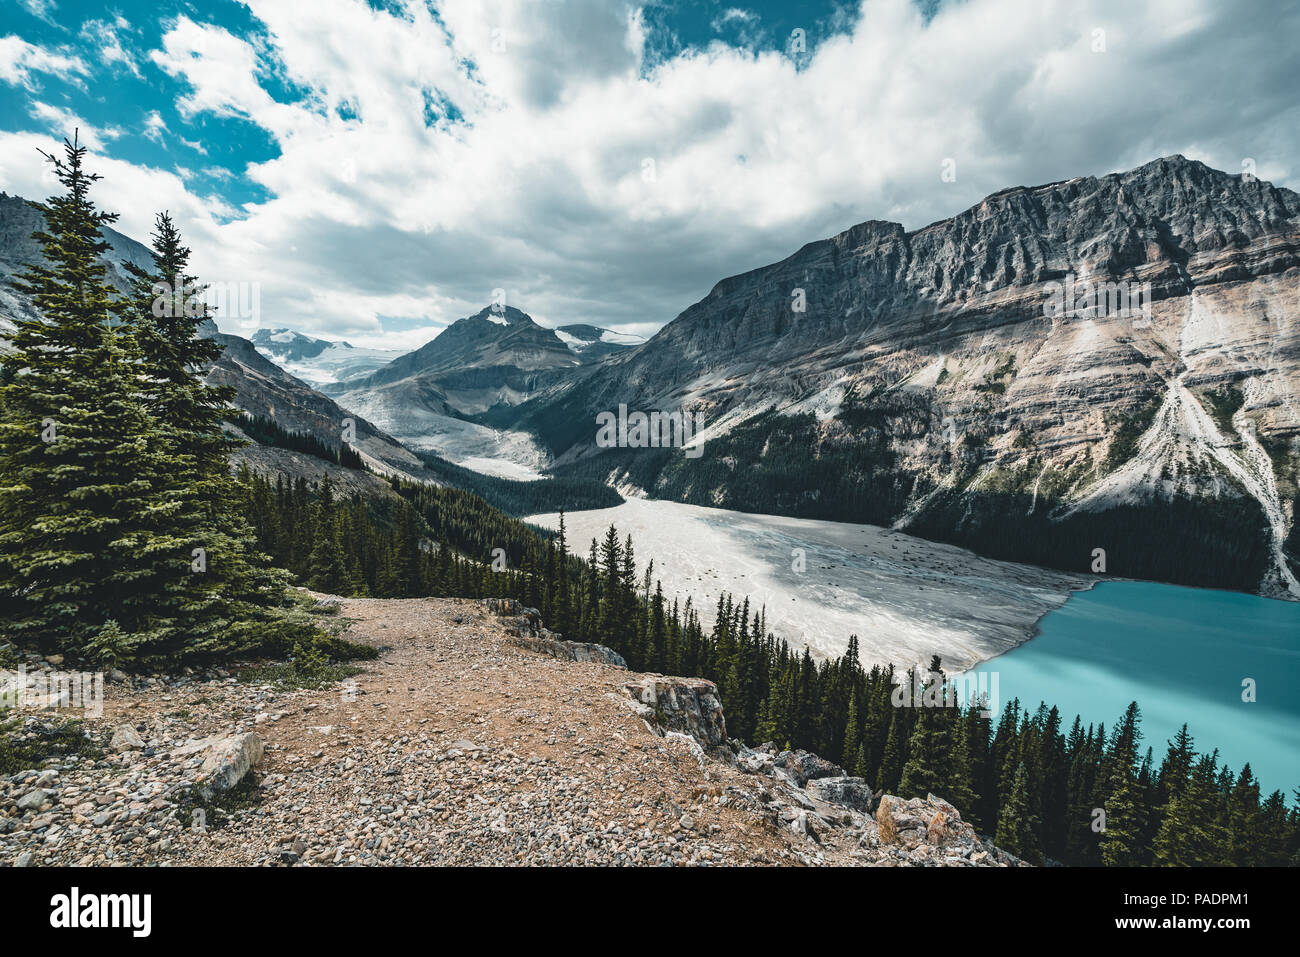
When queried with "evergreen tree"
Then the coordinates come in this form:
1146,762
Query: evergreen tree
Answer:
231,600
891,764
852,741
84,543
1018,824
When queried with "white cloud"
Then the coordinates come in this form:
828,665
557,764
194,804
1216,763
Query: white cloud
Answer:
41,9
155,128
106,35
68,125
20,59
382,207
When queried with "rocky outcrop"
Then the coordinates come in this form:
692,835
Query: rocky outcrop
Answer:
804,794
803,766
688,706
845,791
830,807
553,645
931,831
524,625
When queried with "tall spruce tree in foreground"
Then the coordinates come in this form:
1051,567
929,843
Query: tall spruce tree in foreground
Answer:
83,523
228,598
119,536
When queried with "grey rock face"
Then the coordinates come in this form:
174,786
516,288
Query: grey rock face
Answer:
690,706
804,766
262,388
847,791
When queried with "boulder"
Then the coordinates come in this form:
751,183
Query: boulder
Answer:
227,763
754,760
804,766
901,822
553,645
845,791
125,739
688,705
802,826
931,831
34,799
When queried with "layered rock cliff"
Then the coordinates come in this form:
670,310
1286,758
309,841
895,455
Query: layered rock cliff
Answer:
959,395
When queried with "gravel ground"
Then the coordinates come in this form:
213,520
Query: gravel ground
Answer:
454,747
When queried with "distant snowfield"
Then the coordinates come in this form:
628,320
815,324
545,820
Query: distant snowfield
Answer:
905,598
335,363
509,455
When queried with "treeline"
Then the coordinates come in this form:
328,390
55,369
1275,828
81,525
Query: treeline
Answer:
1081,796
775,464
1205,543
267,432
514,497
422,541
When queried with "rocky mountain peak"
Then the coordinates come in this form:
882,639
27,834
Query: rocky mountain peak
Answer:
500,314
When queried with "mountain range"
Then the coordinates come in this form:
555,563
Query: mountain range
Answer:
450,395
1097,374
929,383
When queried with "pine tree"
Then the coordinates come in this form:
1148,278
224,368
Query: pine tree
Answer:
1190,835
328,572
1245,833
232,600
561,603
84,544
891,764
852,740
1018,824
1124,800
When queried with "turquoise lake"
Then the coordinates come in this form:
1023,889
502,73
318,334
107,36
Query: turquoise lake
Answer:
1182,655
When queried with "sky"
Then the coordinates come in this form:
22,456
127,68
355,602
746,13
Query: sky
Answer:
374,171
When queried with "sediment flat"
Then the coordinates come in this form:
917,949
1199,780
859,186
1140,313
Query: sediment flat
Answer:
905,598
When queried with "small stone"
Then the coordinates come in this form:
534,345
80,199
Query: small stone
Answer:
125,739
33,799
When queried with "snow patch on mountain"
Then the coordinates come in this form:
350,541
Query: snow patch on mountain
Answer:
505,454
319,362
